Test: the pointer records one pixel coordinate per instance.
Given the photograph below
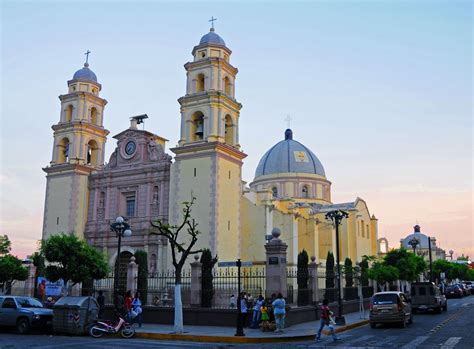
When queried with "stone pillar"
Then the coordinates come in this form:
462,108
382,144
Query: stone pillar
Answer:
313,271
275,251
196,278
132,274
30,281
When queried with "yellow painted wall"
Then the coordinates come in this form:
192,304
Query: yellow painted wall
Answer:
253,230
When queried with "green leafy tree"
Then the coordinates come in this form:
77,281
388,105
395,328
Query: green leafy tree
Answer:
207,288
302,278
11,270
460,258
72,260
141,258
409,265
364,271
348,272
181,248
330,270
383,273
5,245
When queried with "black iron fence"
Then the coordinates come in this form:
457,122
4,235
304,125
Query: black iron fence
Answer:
160,288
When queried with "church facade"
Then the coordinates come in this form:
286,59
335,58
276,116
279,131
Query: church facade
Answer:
142,183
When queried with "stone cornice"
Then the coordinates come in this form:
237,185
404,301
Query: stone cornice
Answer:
214,61
222,47
140,133
82,94
211,96
68,168
277,177
78,126
206,148
86,81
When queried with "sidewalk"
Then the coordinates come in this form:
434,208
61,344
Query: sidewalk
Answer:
304,331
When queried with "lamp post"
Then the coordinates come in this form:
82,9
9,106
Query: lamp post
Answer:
451,252
336,217
121,229
413,243
431,259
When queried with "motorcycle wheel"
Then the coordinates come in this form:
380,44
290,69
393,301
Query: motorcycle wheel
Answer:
127,332
95,332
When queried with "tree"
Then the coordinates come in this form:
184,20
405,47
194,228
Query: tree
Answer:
11,270
302,278
330,293
383,273
180,250
348,272
460,258
207,288
409,265
141,258
5,245
72,260
364,274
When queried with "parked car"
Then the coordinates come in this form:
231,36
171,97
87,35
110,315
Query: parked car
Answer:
470,286
390,307
24,313
453,291
427,296
465,291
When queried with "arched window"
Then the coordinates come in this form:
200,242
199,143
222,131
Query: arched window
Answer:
200,83
229,130
92,153
275,192
69,110
304,191
63,151
197,126
227,86
94,116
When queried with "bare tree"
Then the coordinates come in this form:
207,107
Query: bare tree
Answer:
180,250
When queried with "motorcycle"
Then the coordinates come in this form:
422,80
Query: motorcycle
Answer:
107,327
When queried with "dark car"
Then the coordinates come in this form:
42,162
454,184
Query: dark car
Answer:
427,296
453,291
24,313
464,289
390,307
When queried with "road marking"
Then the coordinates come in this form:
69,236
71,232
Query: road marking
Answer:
450,343
414,343
361,339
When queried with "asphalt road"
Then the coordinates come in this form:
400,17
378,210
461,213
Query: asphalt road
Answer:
451,329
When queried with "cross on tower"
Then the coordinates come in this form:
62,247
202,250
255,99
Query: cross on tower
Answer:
288,120
212,21
87,56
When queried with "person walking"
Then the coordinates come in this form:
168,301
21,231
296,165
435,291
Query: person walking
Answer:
128,305
256,311
137,308
101,302
325,320
279,312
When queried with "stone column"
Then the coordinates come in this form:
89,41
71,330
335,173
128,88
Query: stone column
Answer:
196,278
275,251
313,271
132,274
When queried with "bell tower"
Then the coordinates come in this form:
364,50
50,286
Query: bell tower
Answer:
78,149
208,159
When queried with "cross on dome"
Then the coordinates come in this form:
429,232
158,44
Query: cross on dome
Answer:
87,57
288,120
212,22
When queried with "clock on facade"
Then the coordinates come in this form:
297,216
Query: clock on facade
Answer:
130,147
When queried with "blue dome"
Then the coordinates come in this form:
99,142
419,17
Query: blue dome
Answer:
289,156
85,74
212,38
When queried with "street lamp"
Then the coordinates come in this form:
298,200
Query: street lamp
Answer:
451,252
121,229
413,243
431,259
336,217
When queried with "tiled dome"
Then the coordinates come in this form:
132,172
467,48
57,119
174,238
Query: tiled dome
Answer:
212,38
85,74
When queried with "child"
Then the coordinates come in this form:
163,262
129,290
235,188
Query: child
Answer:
265,317
326,321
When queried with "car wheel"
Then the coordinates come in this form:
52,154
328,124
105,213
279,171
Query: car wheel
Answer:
22,326
373,325
445,307
439,309
410,320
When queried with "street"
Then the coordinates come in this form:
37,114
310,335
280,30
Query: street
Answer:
451,329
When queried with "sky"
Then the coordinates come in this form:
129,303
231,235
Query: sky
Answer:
380,91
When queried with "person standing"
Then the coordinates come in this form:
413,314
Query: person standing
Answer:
128,305
232,302
325,320
137,308
42,291
256,311
101,302
242,301
279,311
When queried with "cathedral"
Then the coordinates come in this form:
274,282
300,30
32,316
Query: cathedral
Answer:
141,182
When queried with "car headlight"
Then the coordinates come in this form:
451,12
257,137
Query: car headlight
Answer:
36,317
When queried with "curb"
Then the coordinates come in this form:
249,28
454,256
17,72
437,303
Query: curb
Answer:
232,339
